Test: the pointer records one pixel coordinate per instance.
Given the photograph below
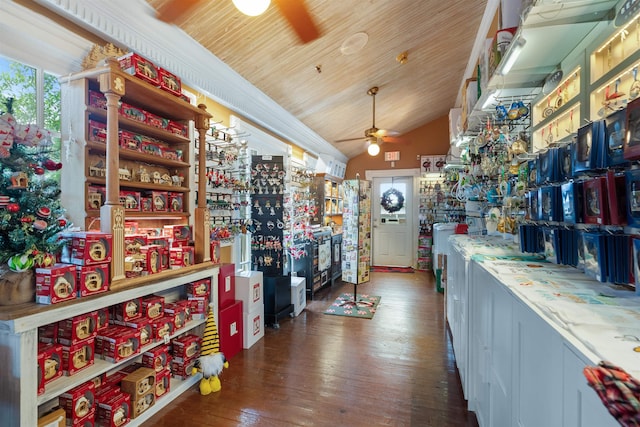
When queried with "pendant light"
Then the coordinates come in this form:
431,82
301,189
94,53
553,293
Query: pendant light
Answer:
252,7
373,149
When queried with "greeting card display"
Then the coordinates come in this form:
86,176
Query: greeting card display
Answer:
616,198
584,155
633,197
549,201
594,256
595,208
563,161
614,139
546,166
571,193
631,148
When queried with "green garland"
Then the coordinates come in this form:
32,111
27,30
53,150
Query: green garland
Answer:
392,200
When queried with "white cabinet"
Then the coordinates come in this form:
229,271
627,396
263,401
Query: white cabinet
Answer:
19,402
523,369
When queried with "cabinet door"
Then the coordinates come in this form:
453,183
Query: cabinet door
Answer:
581,405
535,374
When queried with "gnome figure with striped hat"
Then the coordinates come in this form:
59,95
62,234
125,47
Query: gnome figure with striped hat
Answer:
211,360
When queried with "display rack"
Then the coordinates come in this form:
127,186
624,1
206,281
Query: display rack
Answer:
356,231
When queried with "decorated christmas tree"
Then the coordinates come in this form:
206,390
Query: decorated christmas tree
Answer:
30,211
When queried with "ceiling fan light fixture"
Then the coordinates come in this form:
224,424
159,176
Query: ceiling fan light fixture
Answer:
252,7
373,149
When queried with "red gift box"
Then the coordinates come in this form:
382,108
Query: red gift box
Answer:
199,288
178,232
113,410
136,65
163,328
130,200
78,328
132,113
48,333
153,306
55,284
160,201
158,358
182,370
186,347
133,243
78,356
163,382
118,343
40,378
156,121
102,319
129,140
181,257
51,361
87,248
92,279
178,128
146,204
178,313
97,131
226,285
153,258
128,310
97,100
231,329
176,202
199,306
142,325
79,403
170,82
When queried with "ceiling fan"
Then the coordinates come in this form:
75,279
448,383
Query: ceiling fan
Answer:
294,11
373,133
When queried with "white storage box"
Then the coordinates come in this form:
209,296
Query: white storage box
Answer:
249,289
298,294
253,326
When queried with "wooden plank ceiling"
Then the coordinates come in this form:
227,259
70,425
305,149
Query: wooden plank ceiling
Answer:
326,89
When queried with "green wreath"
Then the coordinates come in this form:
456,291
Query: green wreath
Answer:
392,200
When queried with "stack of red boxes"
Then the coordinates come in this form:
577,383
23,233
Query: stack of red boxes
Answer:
114,406
229,312
159,359
77,337
199,295
185,351
249,289
79,404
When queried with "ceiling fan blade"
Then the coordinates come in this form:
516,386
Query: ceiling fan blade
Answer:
350,139
296,13
381,133
173,10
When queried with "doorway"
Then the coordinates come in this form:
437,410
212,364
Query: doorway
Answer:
392,214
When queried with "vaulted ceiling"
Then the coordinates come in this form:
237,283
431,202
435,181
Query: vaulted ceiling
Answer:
325,88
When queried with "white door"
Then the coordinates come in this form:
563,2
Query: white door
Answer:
392,216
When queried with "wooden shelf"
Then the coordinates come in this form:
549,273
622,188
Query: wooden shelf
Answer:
101,115
100,366
140,185
145,95
138,156
31,315
94,213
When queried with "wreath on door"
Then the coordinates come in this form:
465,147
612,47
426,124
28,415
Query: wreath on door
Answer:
392,200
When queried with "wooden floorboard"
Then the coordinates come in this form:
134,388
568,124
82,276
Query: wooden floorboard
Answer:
397,369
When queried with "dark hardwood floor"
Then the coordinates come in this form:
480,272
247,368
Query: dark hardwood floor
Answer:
396,369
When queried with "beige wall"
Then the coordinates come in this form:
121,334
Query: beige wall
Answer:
430,139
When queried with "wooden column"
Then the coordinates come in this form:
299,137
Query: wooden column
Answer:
202,220
112,84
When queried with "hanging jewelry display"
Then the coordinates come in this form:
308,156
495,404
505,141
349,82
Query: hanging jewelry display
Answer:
267,184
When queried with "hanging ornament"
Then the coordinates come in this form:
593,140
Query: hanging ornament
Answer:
4,201
40,224
27,219
20,263
43,212
13,207
62,221
38,170
51,165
